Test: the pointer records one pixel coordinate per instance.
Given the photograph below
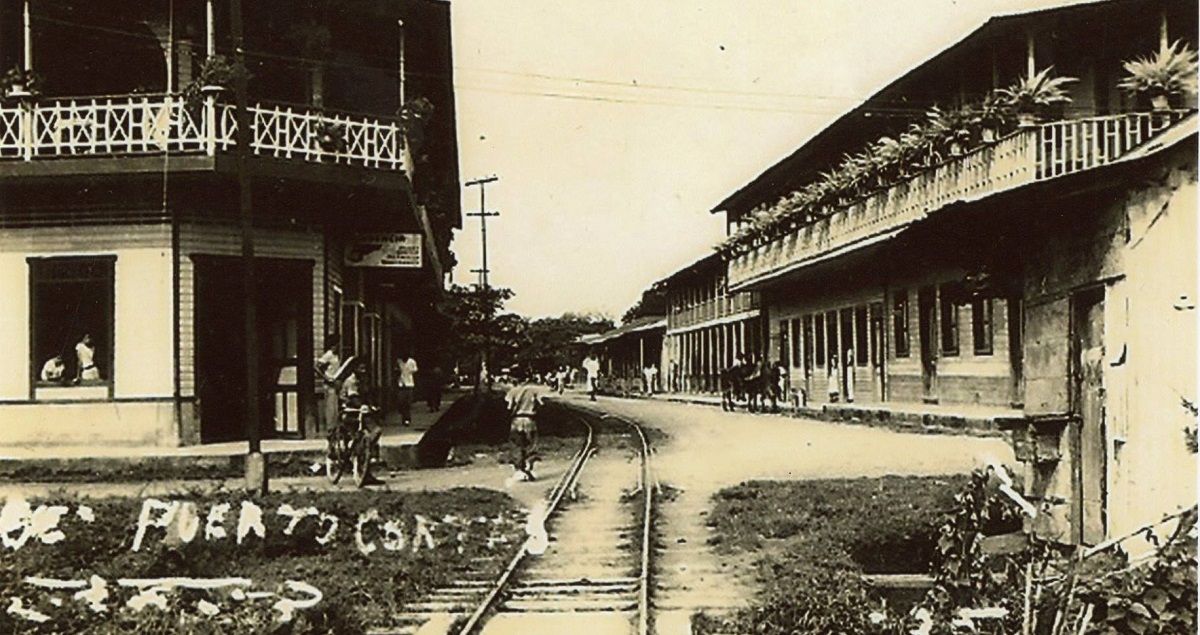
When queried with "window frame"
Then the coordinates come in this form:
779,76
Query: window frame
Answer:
901,331
107,360
983,326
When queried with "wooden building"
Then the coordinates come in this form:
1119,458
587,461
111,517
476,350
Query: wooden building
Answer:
1045,277
120,209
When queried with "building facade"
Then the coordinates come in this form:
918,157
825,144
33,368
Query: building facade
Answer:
1045,275
707,327
122,198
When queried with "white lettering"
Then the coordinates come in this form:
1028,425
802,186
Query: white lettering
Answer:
149,506
296,515
364,547
250,519
393,536
333,527
422,532
213,529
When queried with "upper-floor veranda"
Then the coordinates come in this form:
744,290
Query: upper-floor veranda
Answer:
324,86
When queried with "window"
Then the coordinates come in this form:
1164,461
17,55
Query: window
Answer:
71,324
949,321
981,325
820,340
831,336
900,321
861,352
808,343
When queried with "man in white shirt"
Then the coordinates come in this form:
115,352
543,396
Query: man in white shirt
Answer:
591,366
407,367
327,368
649,374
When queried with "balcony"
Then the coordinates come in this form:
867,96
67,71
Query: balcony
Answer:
144,125
713,309
1030,155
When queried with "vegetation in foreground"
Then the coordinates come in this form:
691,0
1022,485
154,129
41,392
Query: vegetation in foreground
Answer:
82,566
814,540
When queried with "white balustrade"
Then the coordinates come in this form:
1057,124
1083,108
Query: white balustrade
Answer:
154,124
1032,154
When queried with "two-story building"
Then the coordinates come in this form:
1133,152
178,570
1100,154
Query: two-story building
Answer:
1045,274
122,242
707,326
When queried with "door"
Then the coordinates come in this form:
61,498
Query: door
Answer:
285,338
927,331
877,352
1087,403
220,349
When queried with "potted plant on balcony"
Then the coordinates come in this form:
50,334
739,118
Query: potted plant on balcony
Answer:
995,117
19,83
1170,73
414,118
1032,96
217,74
329,136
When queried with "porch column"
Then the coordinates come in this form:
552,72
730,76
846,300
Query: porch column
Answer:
400,62
1163,33
27,38
1030,57
210,39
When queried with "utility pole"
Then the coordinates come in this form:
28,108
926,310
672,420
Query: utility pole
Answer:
483,216
483,270
256,467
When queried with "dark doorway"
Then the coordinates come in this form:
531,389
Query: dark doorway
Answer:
1087,404
1016,355
285,347
927,330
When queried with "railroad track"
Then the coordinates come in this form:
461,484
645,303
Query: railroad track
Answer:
597,566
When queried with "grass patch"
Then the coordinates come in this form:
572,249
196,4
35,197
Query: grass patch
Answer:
469,530
812,540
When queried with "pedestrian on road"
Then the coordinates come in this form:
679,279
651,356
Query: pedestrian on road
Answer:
407,367
834,378
327,368
523,402
591,366
649,373
560,378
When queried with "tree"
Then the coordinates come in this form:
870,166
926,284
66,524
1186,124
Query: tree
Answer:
652,302
477,328
550,342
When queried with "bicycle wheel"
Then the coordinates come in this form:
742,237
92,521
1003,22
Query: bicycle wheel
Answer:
334,462
360,460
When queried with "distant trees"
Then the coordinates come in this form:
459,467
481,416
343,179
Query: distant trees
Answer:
479,326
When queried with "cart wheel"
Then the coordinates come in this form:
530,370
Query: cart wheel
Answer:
360,461
334,465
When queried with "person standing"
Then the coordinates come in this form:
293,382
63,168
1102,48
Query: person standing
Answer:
649,373
85,353
591,366
834,378
327,366
406,381
523,402
561,379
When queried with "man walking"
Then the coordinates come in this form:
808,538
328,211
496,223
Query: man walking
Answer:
649,374
591,366
407,367
523,402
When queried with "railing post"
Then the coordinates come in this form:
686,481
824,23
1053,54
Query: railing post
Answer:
210,125
27,128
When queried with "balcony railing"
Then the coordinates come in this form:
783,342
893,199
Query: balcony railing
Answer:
1029,155
712,309
155,124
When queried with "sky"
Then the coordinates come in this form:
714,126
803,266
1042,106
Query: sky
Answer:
614,126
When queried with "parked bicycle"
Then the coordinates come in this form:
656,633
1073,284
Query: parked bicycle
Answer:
349,445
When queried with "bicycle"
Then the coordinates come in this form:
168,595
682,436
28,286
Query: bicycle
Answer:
349,446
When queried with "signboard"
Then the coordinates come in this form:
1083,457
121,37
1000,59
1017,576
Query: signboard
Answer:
385,250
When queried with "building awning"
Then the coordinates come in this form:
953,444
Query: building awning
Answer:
640,325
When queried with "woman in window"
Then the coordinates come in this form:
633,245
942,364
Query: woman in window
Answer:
85,351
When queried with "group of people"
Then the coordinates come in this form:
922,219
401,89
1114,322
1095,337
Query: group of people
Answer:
350,386
54,371
754,382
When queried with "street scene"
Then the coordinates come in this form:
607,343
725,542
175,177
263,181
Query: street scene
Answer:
462,317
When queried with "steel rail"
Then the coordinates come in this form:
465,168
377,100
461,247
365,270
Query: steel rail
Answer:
556,494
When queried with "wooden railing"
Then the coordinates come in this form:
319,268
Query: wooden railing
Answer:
155,124
1031,154
712,309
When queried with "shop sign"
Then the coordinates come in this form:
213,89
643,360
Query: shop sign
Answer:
385,250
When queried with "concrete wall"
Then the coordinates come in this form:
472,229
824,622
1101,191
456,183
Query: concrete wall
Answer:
140,410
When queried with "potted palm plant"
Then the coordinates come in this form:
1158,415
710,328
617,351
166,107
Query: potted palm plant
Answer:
1171,72
1032,96
995,117
216,75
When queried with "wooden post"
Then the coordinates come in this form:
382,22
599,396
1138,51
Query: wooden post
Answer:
256,473
400,62
27,35
1163,32
1030,54
210,40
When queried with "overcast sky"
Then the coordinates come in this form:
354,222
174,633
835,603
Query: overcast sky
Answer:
615,125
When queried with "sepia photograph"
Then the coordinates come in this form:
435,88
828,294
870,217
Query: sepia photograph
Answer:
620,317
